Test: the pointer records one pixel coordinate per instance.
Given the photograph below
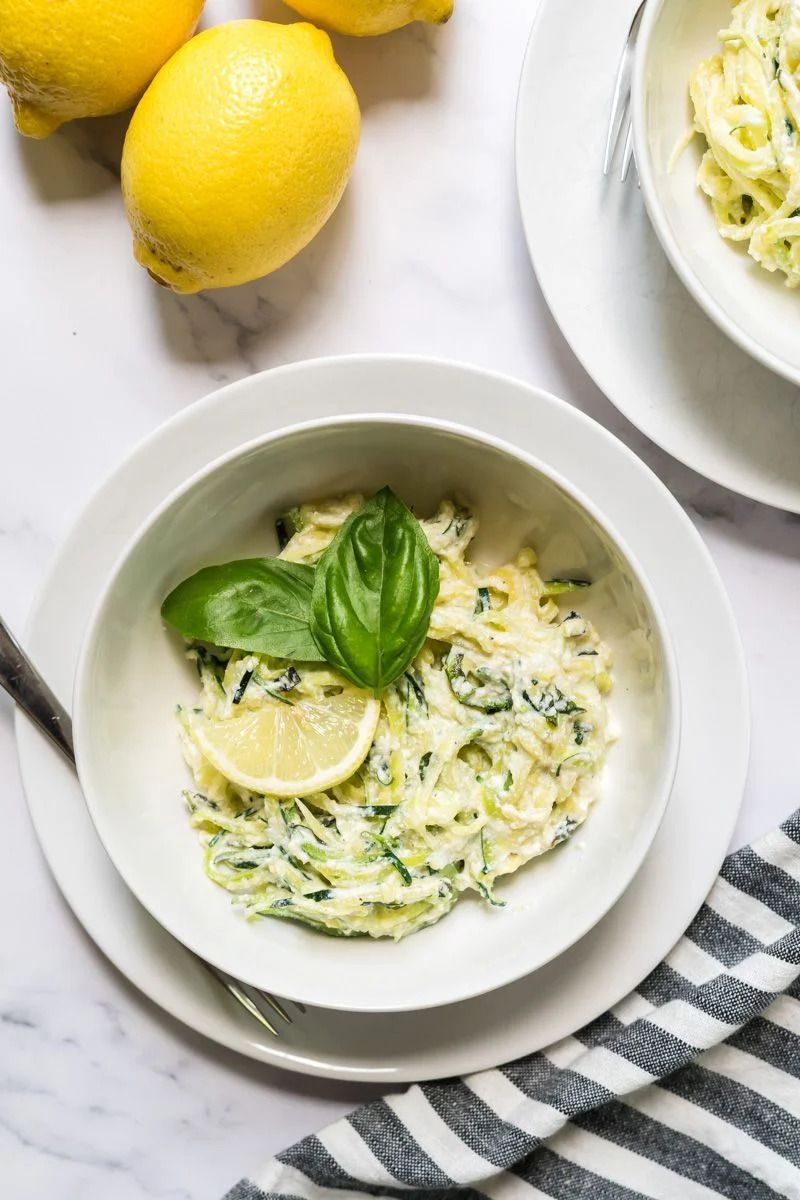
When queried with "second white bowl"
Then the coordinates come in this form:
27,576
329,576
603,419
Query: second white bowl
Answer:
132,672
753,307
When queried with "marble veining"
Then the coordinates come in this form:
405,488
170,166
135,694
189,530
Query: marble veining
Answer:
101,1094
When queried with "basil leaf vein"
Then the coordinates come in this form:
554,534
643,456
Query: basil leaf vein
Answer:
374,591
257,604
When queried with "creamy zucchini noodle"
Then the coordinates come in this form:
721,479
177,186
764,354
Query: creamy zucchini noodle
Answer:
747,106
487,751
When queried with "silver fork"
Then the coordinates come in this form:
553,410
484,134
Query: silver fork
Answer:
26,687
621,103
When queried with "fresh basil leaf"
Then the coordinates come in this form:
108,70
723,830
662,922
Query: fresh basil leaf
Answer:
374,591
259,604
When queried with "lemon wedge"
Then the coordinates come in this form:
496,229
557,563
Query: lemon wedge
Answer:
292,750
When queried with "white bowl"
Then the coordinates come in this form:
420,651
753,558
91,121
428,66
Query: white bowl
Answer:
751,305
132,671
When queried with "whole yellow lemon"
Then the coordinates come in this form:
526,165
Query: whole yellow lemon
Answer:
85,58
238,153
363,18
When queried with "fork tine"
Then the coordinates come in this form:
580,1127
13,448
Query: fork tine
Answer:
619,107
622,90
627,153
240,996
274,1004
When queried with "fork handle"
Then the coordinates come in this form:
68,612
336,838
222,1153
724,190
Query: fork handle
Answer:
26,688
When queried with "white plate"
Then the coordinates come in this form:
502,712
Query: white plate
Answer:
624,312
688,849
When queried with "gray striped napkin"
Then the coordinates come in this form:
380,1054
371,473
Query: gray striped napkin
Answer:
687,1089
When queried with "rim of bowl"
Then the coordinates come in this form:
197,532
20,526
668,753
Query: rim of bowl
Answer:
82,707
669,243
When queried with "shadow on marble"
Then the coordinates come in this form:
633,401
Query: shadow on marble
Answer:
228,329
79,160
398,67
394,67
264,10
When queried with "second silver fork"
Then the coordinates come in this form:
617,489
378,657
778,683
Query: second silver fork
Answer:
620,116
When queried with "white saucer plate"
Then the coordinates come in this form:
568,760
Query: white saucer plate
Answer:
601,968
625,313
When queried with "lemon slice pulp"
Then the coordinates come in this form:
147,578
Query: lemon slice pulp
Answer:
292,750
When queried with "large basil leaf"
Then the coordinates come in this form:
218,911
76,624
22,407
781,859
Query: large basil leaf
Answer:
259,604
374,590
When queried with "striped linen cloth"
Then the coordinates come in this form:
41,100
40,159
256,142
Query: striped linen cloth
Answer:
688,1089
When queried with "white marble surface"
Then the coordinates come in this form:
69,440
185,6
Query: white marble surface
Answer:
100,1094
